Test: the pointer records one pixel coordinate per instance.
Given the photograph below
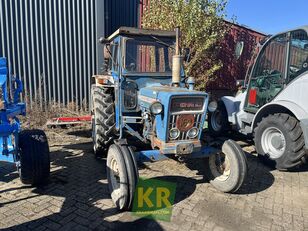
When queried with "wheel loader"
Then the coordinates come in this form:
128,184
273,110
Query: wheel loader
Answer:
272,105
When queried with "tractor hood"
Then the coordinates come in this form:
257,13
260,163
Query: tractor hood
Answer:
163,93
174,100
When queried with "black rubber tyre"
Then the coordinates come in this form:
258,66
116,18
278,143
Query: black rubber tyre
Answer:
293,153
132,174
122,176
34,157
218,122
227,170
103,119
132,153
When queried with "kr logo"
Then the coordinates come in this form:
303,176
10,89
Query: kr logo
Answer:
153,199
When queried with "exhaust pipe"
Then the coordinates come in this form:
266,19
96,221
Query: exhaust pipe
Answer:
177,61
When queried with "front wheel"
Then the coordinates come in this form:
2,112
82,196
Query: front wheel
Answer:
34,157
227,170
279,141
122,175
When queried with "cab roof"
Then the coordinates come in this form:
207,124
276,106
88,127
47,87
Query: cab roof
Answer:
139,32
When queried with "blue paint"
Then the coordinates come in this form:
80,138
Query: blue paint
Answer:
10,124
7,158
205,151
155,155
150,87
164,94
150,155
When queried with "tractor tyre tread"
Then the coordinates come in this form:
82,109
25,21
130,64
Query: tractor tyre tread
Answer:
34,157
295,153
103,110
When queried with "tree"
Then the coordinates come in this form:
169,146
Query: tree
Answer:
202,26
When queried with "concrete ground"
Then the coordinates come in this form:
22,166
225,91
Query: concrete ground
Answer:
77,196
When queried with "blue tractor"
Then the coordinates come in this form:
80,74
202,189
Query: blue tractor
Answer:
28,149
144,108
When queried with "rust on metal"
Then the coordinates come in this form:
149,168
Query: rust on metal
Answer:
185,122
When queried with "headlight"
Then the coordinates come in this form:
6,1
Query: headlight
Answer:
193,133
156,108
212,106
174,133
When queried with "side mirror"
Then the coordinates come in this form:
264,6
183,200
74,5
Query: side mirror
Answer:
239,47
186,54
103,40
240,83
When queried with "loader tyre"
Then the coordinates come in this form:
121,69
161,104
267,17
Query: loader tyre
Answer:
227,170
279,141
218,120
121,175
103,119
34,157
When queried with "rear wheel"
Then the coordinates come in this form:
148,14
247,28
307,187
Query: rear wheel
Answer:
34,157
227,170
280,142
122,174
103,119
218,120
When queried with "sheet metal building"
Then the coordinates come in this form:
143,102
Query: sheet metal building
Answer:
52,44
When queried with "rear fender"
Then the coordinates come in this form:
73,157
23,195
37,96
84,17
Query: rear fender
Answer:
288,107
233,105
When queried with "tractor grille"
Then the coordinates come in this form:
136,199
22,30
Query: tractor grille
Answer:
183,135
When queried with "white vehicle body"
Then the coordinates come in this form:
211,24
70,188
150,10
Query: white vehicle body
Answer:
293,98
274,105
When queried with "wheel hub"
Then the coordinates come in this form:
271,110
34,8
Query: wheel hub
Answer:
278,141
115,172
220,166
273,142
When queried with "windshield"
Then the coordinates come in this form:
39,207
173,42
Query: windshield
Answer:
153,55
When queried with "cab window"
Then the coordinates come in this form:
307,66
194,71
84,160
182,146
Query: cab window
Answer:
268,76
151,55
298,54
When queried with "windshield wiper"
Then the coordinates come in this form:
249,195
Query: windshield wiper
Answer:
162,42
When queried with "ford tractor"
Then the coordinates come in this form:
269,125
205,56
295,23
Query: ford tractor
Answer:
272,106
28,149
145,109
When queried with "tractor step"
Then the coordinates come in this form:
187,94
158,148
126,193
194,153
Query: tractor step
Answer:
64,122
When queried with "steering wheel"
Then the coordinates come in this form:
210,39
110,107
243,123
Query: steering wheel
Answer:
132,67
268,77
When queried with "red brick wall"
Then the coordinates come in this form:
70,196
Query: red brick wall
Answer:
234,69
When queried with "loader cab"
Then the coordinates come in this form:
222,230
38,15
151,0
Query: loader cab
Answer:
283,58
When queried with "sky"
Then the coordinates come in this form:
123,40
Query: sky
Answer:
269,16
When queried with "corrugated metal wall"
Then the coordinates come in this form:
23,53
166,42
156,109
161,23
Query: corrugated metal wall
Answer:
120,13
52,44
